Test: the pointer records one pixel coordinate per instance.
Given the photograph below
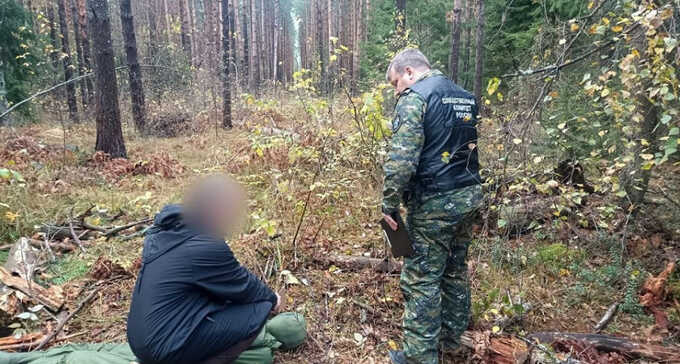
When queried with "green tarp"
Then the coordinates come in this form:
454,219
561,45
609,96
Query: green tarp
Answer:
284,331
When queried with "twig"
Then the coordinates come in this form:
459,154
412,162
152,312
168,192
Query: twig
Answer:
76,238
608,316
116,230
136,234
60,324
48,248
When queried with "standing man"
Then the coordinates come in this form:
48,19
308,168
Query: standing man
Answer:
433,168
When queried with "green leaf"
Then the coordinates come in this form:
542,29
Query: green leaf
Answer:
665,119
5,173
675,131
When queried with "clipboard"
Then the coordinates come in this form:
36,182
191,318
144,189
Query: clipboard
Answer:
398,240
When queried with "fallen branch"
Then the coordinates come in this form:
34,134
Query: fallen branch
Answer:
614,344
76,238
117,229
61,323
360,263
608,316
24,342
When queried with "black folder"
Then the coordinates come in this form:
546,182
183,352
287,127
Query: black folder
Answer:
398,240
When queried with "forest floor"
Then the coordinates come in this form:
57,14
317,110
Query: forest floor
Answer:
567,274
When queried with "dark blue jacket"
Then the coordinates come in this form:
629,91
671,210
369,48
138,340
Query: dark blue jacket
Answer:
449,157
187,276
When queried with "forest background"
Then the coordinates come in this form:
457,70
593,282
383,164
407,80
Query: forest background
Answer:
110,108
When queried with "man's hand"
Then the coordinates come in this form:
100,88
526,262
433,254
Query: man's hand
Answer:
390,221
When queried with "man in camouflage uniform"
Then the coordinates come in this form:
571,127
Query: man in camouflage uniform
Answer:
433,168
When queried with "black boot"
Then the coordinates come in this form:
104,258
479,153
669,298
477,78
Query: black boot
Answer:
397,357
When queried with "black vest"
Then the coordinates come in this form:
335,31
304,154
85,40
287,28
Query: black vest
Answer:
449,158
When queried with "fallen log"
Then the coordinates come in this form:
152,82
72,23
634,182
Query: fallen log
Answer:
51,298
350,262
496,350
614,344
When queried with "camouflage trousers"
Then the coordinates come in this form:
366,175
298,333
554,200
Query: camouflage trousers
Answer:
434,281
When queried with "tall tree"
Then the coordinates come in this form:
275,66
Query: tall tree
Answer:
254,68
185,28
153,28
322,45
400,21
226,79
479,58
455,40
358,36
469,15
85,47
79,51
53,34
3,96
109,130
66,58
134,71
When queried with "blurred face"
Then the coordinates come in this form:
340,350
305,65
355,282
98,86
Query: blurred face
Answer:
403,81
218,203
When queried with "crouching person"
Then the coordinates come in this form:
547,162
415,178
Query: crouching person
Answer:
193,302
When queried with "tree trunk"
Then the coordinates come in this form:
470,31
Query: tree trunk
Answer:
468,41
79,52
261,59
192,30
85,47
134,71
3,97
356,53
53,34
109,130
479,58
226,80
400,24
246,54
153,30
234,42
185,29
321,42
254,69
163,23
68,68
455,40
276,40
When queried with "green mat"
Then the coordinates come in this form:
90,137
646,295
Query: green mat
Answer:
284,331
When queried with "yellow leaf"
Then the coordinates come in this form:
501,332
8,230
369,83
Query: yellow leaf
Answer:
605,21
11,216
495,329
647,157
517,141
617,29
591,4
575,27
392,345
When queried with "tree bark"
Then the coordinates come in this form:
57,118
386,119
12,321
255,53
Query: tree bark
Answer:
400,24
85,47
468,41
68,68
226,64
79,51
322,43
134,71
153,29
356,53
53,34
109,130
254,69
455,40
275,75
479,58
245,41
3,97
185,28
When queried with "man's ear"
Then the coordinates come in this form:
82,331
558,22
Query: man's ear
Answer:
409,71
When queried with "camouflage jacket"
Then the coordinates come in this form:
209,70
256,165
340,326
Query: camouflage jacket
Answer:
402,163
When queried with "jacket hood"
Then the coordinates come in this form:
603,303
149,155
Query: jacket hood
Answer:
167,232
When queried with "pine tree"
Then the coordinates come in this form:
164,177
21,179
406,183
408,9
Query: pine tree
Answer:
109,130
134,71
